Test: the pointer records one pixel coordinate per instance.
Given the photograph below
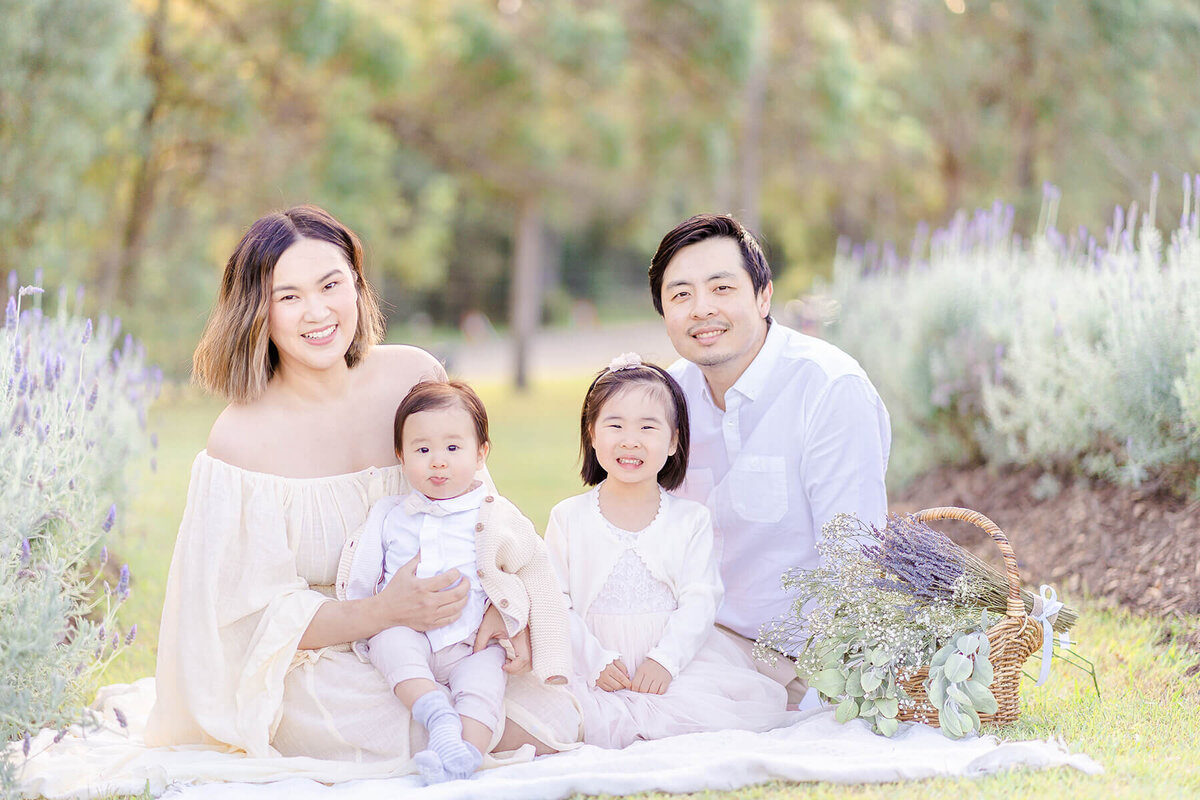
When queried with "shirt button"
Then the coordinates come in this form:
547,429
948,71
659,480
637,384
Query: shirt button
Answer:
504,603
478,526
489,499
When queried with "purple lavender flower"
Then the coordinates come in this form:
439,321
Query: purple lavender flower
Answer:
12,281
26,552
58,737
103,550
123,583
109,519
25,744
120,715
10,314
91,401
129,637
87,331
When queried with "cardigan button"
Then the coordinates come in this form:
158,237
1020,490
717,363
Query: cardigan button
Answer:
489,499
504,603
479,572
478,526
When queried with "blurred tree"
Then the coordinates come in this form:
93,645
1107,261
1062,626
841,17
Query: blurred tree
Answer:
68,89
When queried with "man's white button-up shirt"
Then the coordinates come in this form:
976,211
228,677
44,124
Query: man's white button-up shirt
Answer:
803,437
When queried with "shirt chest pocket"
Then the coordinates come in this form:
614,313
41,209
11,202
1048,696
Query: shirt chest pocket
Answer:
758,488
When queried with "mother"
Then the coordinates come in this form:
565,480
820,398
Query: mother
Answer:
254,649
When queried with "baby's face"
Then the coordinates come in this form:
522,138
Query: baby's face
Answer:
439,453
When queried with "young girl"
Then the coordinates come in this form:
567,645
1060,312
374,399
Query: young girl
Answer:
640,575
453,521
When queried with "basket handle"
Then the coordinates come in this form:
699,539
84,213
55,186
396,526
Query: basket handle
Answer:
1015,607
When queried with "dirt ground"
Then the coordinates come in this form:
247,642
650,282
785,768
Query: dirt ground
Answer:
1134,548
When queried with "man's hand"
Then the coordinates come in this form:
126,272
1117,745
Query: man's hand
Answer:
423,603
492,629
615,676
651,678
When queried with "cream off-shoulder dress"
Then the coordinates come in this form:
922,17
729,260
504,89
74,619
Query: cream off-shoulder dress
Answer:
257,554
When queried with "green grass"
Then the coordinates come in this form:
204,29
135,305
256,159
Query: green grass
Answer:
1142,729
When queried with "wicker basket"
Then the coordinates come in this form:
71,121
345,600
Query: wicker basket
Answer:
1012,639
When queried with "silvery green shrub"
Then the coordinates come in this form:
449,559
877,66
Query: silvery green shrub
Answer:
73,400
1070,353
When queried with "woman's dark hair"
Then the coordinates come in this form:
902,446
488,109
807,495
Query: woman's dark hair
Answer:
697,229
235,357
610,383
433,395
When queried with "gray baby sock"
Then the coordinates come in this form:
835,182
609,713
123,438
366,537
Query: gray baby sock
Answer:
454,757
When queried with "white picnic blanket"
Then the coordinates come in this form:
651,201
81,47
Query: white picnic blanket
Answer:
814,748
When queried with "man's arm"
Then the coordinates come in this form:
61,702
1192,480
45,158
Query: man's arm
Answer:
846,453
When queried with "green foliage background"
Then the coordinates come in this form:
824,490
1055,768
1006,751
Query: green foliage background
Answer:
138,138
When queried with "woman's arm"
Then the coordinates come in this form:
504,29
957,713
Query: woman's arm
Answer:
418,603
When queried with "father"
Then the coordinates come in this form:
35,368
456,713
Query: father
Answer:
786,429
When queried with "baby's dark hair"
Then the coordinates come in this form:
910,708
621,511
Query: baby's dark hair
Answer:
433,395
609,383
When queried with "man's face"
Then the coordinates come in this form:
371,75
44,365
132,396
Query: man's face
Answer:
714,317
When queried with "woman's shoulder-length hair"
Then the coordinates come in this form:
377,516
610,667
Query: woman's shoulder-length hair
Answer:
235,358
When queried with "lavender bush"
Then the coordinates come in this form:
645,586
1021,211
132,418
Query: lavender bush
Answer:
1069,352
73,400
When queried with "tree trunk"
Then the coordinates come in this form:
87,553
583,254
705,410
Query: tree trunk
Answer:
525,301
123,280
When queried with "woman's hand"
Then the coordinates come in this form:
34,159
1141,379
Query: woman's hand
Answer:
651,678
492,629
423,603
615,676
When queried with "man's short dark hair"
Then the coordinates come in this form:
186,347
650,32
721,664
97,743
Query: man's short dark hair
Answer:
697,229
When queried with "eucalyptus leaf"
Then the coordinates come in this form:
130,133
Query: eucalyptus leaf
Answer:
967,644
887,706
867,708
972,716
957,694
880,658
870,680
981,697
854,684
937,692
887,725
983,671
829,682
846,710
948,719
958,668
939,658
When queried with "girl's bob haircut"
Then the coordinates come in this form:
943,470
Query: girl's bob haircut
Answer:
609,383
236,358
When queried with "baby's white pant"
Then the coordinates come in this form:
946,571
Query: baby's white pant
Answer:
476,680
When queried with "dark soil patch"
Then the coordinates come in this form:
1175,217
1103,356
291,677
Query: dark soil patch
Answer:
1134,548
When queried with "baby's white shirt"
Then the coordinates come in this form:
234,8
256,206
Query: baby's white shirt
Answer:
445,543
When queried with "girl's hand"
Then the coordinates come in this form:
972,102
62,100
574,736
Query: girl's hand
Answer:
651,678
492,629
615,676
423,603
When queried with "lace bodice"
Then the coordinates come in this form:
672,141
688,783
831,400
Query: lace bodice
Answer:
630,587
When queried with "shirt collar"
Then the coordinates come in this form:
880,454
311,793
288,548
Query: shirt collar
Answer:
754,379
464,502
